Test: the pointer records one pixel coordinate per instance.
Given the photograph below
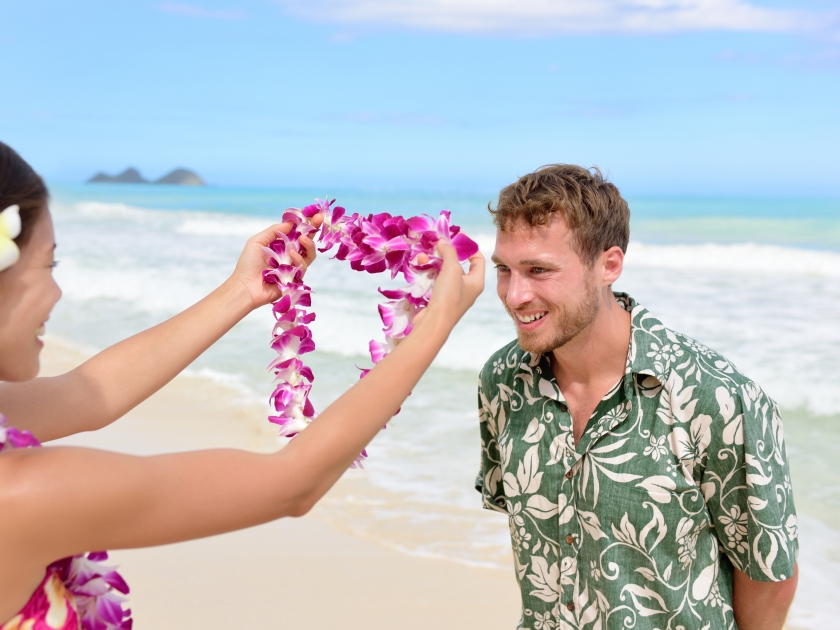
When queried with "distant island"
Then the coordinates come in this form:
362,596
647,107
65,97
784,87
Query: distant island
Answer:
178,177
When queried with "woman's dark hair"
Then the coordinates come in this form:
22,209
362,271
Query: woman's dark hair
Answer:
21,185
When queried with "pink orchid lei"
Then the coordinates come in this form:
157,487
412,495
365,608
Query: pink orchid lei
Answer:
97,590
378,243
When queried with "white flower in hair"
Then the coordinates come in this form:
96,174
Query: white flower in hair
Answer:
9,230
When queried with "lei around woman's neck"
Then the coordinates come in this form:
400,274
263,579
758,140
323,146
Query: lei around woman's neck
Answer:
97,589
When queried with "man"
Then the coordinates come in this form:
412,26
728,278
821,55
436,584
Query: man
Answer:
645,479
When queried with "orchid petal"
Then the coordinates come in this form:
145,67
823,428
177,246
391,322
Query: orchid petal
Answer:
464,246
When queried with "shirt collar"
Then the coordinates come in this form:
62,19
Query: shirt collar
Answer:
639,363
642,323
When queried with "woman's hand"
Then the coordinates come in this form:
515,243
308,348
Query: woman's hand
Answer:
252,262
117,379
454,291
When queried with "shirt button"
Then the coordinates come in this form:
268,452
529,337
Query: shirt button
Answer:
570,539
569,474
564,407
570,606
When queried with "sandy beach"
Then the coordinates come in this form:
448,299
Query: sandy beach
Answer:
294,573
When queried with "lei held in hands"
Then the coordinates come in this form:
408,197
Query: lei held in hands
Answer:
378,243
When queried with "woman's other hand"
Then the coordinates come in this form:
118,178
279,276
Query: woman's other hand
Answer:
252,262
454,291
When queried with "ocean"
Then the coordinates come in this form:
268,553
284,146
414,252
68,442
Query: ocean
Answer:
756,279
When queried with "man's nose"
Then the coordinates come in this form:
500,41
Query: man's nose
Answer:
519,291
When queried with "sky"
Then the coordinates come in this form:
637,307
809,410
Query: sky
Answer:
668,97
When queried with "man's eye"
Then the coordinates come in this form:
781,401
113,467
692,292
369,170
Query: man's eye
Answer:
502,268
538,270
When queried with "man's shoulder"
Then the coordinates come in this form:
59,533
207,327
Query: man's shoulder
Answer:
664,352
716,382
709,361
679,362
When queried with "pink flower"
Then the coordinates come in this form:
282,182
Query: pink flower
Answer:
292,401
379,350
282,274
333,228
13,438
397,317
291,371
357,463
97,591
464,245
385,238
292,343
419,289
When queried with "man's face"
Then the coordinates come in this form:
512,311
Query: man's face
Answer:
548,292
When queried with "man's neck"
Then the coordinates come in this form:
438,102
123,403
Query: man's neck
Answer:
599,353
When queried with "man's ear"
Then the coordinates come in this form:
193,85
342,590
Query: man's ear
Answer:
613,264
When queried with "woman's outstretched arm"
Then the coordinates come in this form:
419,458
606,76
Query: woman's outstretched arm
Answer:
119,378
62,501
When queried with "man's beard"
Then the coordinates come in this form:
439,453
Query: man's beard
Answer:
569,323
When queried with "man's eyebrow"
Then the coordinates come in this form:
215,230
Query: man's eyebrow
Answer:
528,262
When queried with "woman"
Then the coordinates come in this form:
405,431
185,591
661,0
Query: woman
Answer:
61,502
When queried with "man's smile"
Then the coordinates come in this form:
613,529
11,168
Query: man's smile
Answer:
529,321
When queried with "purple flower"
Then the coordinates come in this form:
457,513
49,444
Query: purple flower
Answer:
357,463
397,317
11,437
292,343
334,227
97,591
292,403
282,274
385,238
379,350
291,371
464,245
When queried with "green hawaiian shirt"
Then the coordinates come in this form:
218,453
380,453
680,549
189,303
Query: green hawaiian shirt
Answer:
680,475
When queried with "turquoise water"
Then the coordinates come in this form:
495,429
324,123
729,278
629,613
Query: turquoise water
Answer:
758,280
813,223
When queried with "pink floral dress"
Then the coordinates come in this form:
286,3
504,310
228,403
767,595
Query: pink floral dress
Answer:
77,593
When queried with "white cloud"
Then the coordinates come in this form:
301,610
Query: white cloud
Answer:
547,17
191,10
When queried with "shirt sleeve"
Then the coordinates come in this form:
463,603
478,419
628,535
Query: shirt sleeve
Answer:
489,479
746,485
